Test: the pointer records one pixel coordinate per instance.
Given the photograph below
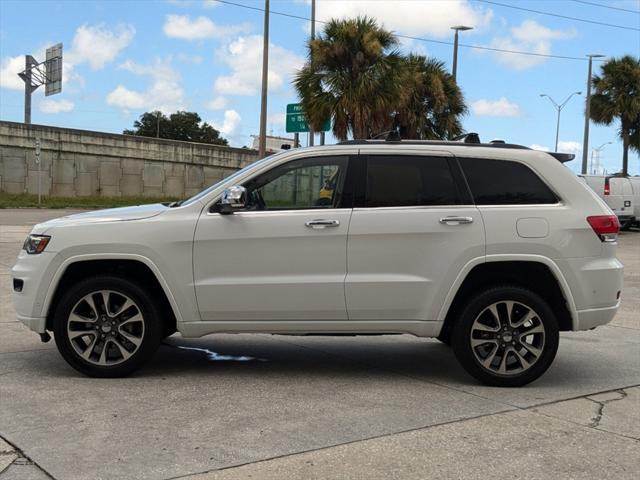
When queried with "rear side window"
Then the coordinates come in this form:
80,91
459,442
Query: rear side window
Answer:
399,181
500,182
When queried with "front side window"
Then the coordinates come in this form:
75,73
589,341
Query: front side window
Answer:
503,182
399,181
311,183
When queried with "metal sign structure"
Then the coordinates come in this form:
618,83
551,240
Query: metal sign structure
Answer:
53,70
297,120
47,73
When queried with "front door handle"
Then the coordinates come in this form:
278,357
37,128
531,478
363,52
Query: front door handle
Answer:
456,220
322,223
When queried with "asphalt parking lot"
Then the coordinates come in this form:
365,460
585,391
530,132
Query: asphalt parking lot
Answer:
317,407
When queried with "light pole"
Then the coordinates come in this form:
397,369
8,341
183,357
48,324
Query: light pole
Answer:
559,108
262,141
597,152
457,28
587,114
313,36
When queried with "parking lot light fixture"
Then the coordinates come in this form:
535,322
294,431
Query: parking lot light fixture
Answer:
559,107
457,28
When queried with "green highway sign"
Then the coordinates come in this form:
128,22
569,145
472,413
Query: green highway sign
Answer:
297,120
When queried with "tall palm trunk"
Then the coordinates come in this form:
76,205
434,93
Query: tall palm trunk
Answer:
625,151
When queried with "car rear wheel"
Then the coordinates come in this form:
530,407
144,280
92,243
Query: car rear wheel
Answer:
506,336
107,326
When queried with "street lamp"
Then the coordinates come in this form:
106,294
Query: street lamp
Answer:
262,141
457,28
587,114
559,108
597,151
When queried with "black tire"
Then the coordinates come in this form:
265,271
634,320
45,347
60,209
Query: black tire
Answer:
150,336
468,357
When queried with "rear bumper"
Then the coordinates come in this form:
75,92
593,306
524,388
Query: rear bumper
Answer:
595,285
594,317
625,218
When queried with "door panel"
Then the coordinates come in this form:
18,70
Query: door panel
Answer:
410,238
402,261
271,266
284,258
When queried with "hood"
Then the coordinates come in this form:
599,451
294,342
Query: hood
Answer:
122,214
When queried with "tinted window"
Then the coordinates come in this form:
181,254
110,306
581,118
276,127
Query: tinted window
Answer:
300,184
500,182
409,180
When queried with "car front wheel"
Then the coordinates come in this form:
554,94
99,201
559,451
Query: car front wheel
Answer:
506,336
107,326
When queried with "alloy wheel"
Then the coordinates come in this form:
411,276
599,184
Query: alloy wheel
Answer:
507,338
105,327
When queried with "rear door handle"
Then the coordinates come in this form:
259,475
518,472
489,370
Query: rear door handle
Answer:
316,224
456,220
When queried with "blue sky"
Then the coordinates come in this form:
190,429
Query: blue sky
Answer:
126,57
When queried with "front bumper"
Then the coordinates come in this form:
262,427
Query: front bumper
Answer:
37,324
36,272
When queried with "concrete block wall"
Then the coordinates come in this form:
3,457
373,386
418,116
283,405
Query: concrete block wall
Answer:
82,163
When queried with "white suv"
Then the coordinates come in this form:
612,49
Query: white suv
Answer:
492,248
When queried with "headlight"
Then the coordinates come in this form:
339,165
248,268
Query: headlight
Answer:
36,243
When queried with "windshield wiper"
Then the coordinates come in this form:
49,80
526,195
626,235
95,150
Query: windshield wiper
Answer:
175,204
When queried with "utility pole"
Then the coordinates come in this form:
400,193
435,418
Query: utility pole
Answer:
313,36
587,115
158,124
262,142
559,108
457,28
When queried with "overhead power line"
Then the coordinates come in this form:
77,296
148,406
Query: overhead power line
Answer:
540,12
420,39
607,6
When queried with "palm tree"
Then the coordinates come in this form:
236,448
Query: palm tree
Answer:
352,76
432,103
617,97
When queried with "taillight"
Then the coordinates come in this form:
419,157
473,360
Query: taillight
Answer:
605,226
607,189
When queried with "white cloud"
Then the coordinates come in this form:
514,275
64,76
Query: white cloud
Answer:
210,3
165,92
218,103
244,57
410,17
496,108
277,120
230,123
529,36
183,27
186,58
569,146
9,69
97,45
49,105
539,147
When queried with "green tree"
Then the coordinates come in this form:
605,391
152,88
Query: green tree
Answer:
432,103
617,98
352,76
185,126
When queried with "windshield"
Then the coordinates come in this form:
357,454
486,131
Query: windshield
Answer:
240,172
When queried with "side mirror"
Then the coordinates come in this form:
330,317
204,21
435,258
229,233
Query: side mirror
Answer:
233,198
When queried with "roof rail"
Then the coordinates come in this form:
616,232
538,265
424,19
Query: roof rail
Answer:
466,140
432,142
